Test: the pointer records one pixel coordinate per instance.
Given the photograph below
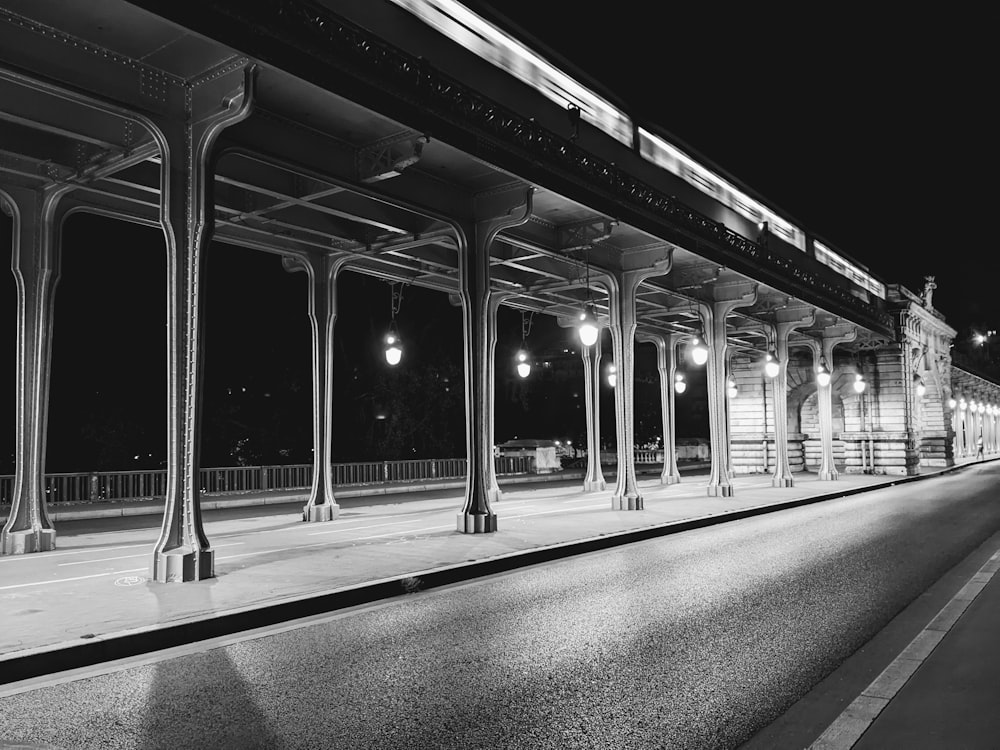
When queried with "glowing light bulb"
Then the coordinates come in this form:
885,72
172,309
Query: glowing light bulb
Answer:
859,383
393,349
731,390
699,352
588,329
523,366
679,385
952,403
771,366
612,375
822,376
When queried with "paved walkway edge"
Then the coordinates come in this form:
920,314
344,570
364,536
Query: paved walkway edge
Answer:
48,660
855,720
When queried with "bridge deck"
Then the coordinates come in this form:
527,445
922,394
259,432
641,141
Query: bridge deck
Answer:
93,590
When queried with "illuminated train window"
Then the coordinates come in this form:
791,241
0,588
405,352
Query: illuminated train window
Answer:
845,268
655,149
490,43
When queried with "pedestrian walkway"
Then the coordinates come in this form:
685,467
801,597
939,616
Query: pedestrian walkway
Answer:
942,691
90,600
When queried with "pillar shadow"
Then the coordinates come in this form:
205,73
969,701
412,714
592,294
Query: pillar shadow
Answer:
200,699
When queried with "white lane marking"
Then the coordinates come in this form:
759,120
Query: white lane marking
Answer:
557,510
47,555
65,580
358,528
402,532
126,557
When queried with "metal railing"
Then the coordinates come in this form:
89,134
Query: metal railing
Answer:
139,485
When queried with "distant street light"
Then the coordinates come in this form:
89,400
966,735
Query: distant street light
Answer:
612,375
771,365
679,385
393,349
822,374
699,352
731,390
523,366
859,383
588,328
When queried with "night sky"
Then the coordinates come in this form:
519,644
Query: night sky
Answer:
869,131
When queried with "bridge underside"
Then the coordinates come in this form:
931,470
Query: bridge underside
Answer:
362,156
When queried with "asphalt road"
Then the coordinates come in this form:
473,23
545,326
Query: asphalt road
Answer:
697,640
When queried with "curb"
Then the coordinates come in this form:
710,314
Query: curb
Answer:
113,646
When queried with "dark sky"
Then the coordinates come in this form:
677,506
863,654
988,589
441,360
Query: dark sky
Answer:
869,130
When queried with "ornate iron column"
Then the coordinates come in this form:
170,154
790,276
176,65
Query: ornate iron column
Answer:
209,105
322,270
622,287
493,214
593,481
492,486
832,336
35,264
666,365
713,315
787,320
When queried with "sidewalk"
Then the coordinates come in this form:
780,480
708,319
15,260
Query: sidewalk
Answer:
941,691
90,601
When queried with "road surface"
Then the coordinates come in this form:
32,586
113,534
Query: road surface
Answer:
697,640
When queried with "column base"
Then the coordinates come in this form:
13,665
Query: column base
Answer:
596,485
477,523
320,513
30,540
720,490
829,476
782,482
182,565
493,495
670,479
627,502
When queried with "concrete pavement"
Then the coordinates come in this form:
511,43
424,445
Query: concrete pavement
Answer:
90,602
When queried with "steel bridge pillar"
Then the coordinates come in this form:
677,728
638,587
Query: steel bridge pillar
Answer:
787,321
713,320
322,271
593,481
35,264
493,214
203,109
824,394
666,364
622,287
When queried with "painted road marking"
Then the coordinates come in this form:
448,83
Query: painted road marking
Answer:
49,555
358,528
76,578
126,557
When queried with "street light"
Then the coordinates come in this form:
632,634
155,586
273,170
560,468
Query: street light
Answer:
731,390
393,344
859,383
679,385
588,328
699,352
612,374
771,365
952,403
393,349
523,366
822,374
